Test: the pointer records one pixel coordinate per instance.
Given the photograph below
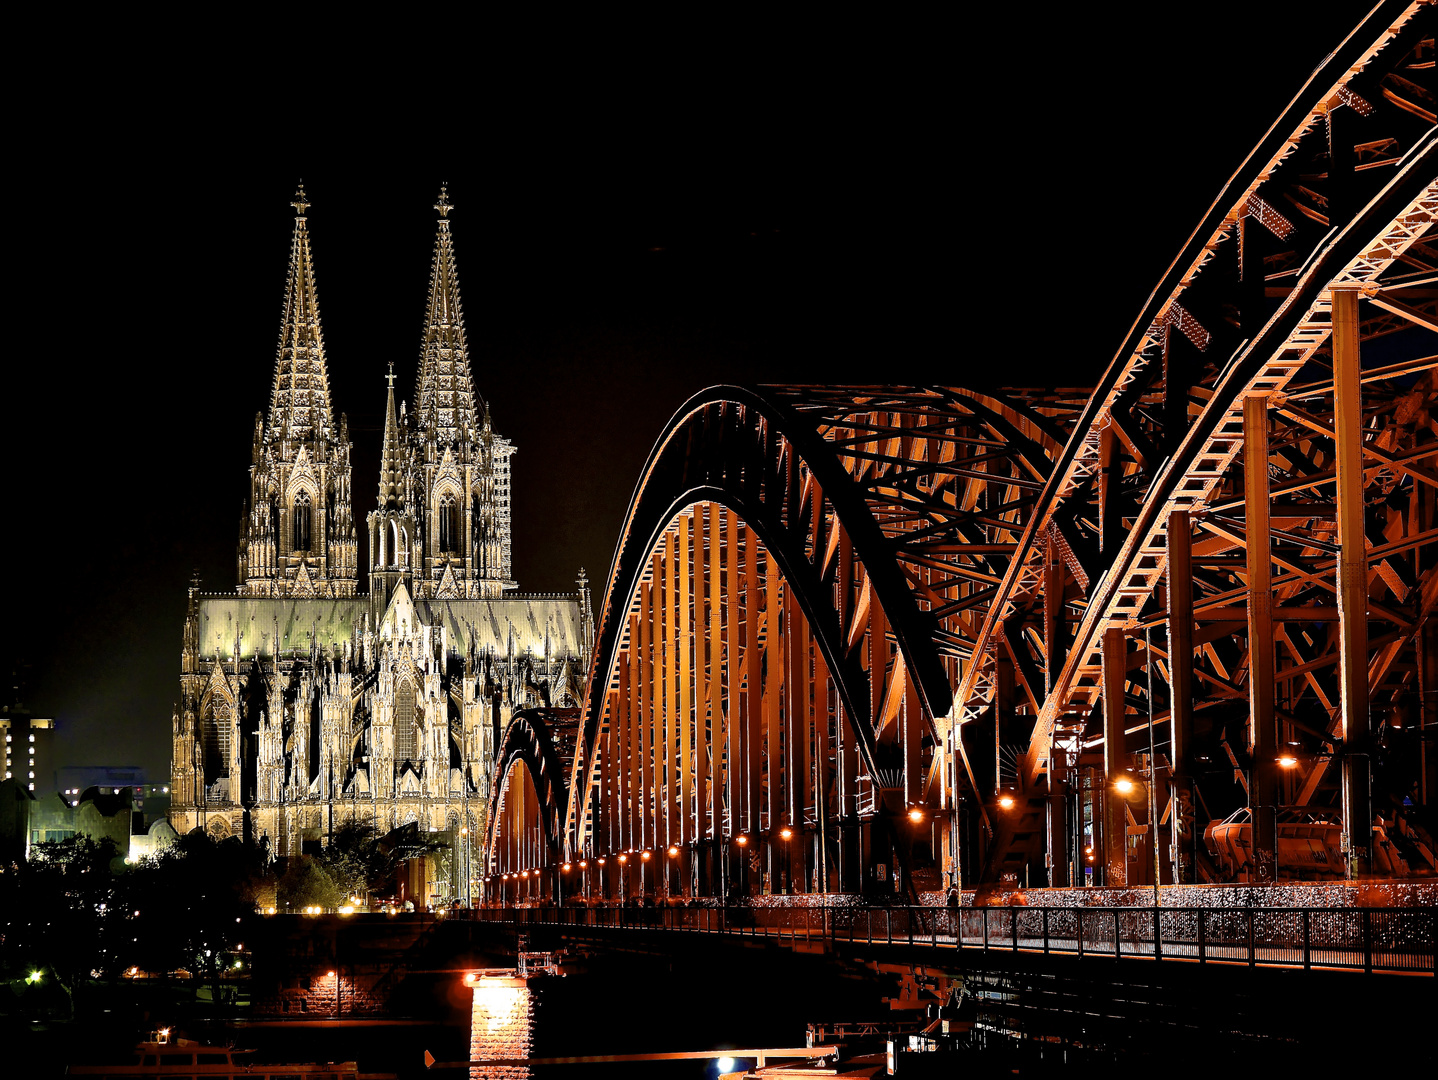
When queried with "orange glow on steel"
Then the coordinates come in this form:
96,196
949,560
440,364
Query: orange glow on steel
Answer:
1006,801
785,833
916,815
1288,761
673,851
1123,785
741,840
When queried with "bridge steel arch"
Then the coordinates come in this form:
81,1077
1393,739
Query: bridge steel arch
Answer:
831,606
527,803
785,621
1317,252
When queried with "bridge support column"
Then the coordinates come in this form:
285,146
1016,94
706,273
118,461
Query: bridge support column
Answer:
1058,856
1262,736
1115,759
1183,828
1352,583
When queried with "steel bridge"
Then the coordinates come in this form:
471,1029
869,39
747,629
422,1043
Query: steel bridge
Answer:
1171,628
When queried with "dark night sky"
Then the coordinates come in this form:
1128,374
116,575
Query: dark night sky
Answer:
917,204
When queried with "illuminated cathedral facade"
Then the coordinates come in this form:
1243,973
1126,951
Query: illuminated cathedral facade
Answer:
307,699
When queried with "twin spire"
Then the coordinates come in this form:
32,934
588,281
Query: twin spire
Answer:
300,396
444,391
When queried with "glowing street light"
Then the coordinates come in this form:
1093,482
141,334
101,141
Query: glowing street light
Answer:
645,854
742,840
1006,801
916,815
673,850
1287,761
623,858
1123,785
786,833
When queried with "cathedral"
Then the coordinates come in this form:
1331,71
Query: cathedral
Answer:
307,700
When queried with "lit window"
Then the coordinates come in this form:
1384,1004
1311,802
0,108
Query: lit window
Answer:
32,776
32,787
7,774
303,517
32,738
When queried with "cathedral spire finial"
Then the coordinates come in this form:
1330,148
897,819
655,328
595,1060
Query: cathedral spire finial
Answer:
390,376
301,203
444,206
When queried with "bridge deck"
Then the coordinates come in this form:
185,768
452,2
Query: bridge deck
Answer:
1382,940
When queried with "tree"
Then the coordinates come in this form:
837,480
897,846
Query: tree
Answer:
359,860
59,912
305,883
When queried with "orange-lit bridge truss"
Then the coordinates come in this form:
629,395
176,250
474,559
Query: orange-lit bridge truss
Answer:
851,630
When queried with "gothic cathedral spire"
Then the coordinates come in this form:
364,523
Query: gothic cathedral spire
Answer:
300,398
444,394
299,537
461,468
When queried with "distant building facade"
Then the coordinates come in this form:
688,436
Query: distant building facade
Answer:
29,750
306,700
101,814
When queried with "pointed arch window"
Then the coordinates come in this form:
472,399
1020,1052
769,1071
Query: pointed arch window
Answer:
215,736
303,521
404,725
448,524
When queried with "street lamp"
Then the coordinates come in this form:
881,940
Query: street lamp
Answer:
1006,801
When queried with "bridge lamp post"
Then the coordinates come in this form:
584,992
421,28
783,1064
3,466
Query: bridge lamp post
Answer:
669,869
786,834
916,818
623,876
1125,785
743,841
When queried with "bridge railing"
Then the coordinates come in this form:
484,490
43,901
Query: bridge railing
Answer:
1354,939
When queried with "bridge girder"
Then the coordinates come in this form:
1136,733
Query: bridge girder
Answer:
936,560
